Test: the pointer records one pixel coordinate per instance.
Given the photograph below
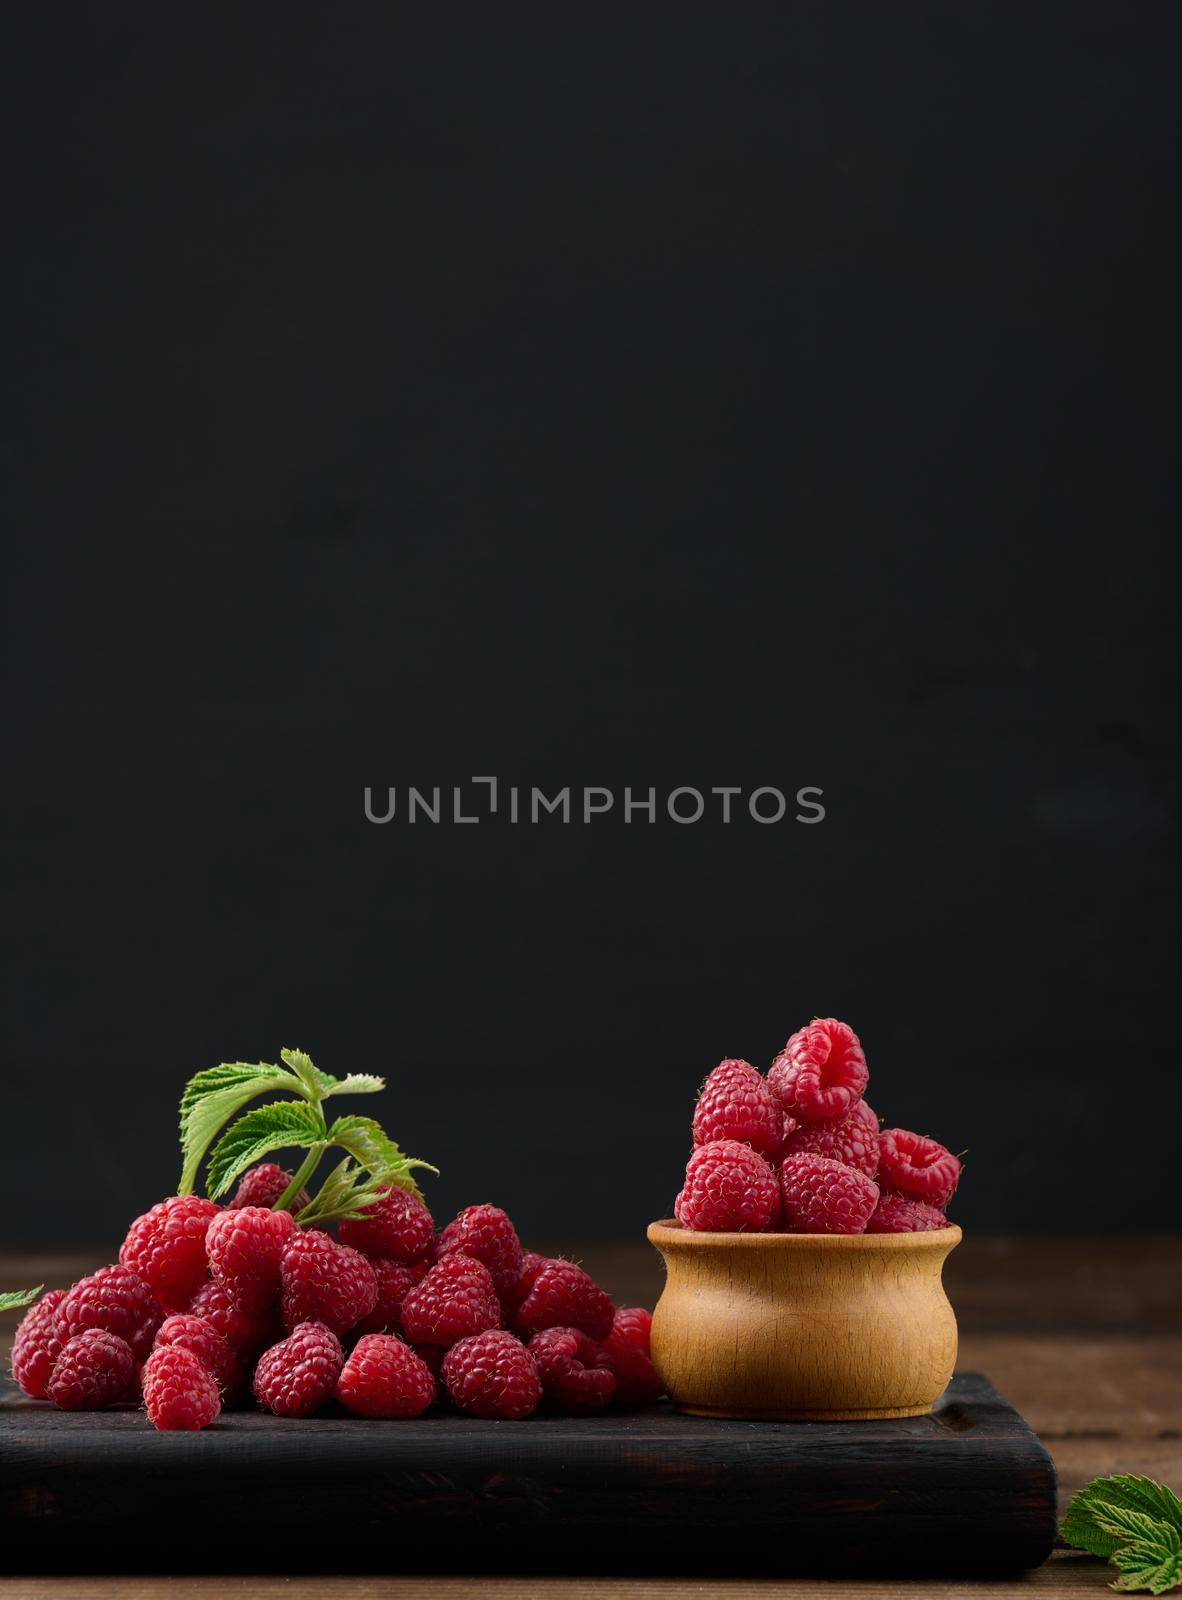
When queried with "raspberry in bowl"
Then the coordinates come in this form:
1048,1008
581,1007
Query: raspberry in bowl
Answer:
805,1253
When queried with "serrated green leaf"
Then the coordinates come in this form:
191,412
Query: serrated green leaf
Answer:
346,1192
367,1142
211,1098
1138,1494
1126,1526
359,1083
315,1084
1153,1563
1122,1491
228,1075
18,1299
282,1125
371,1146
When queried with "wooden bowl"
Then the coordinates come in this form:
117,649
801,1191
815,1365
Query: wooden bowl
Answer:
803,1326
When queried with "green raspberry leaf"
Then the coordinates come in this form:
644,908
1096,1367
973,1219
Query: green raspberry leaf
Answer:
282,1125
211,1098
17,1300
346,1192
372,1148
1126,1525
314,1084
319,1085
359,1083
1153,1562
1104,1498
367,1142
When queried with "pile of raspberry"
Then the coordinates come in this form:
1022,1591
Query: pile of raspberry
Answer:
209,1307
800,1151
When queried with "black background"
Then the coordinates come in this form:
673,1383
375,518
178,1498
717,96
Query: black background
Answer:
652,394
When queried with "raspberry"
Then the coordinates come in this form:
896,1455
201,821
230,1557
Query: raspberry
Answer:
824,1196
851,1139
562,1295
917,1167
486,1234
297,1376
576,1372
397,1227
894,1213
385,1378
208,1345
166,1248
38,1342
94,1369
628,1349
116,1299
492,1375
394,1282
245,1248
456,1298
633,1327
179,1392
531,1265
821,1072
736,1103
246,1332
324,1281
263,1185
729,1188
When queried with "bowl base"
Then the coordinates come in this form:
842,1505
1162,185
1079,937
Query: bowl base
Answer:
787,1414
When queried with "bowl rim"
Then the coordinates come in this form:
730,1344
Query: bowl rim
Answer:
669,1231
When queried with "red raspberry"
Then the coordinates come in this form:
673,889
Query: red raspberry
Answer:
633,1327
118,1300
297,1376
246,1332
564,1296
397,1227
456,1298
821,1072
245,1248
917,1167
166,1248
851,1139
729,1188
263,1185
531,1265
492,1375
94,1369
896,1214
486,1234
213,1350
324,1281
394,1283
628,1347
38,1343
576,1372
179,1392
736,1103
383,1377
824,1196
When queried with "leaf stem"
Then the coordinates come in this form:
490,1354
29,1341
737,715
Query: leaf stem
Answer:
310,1163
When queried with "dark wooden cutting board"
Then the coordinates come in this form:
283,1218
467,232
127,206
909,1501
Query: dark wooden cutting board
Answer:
968,1489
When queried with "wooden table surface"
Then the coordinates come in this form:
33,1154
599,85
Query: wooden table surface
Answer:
1084,1336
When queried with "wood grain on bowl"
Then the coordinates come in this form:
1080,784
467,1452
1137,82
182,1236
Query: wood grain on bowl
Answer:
819,1327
